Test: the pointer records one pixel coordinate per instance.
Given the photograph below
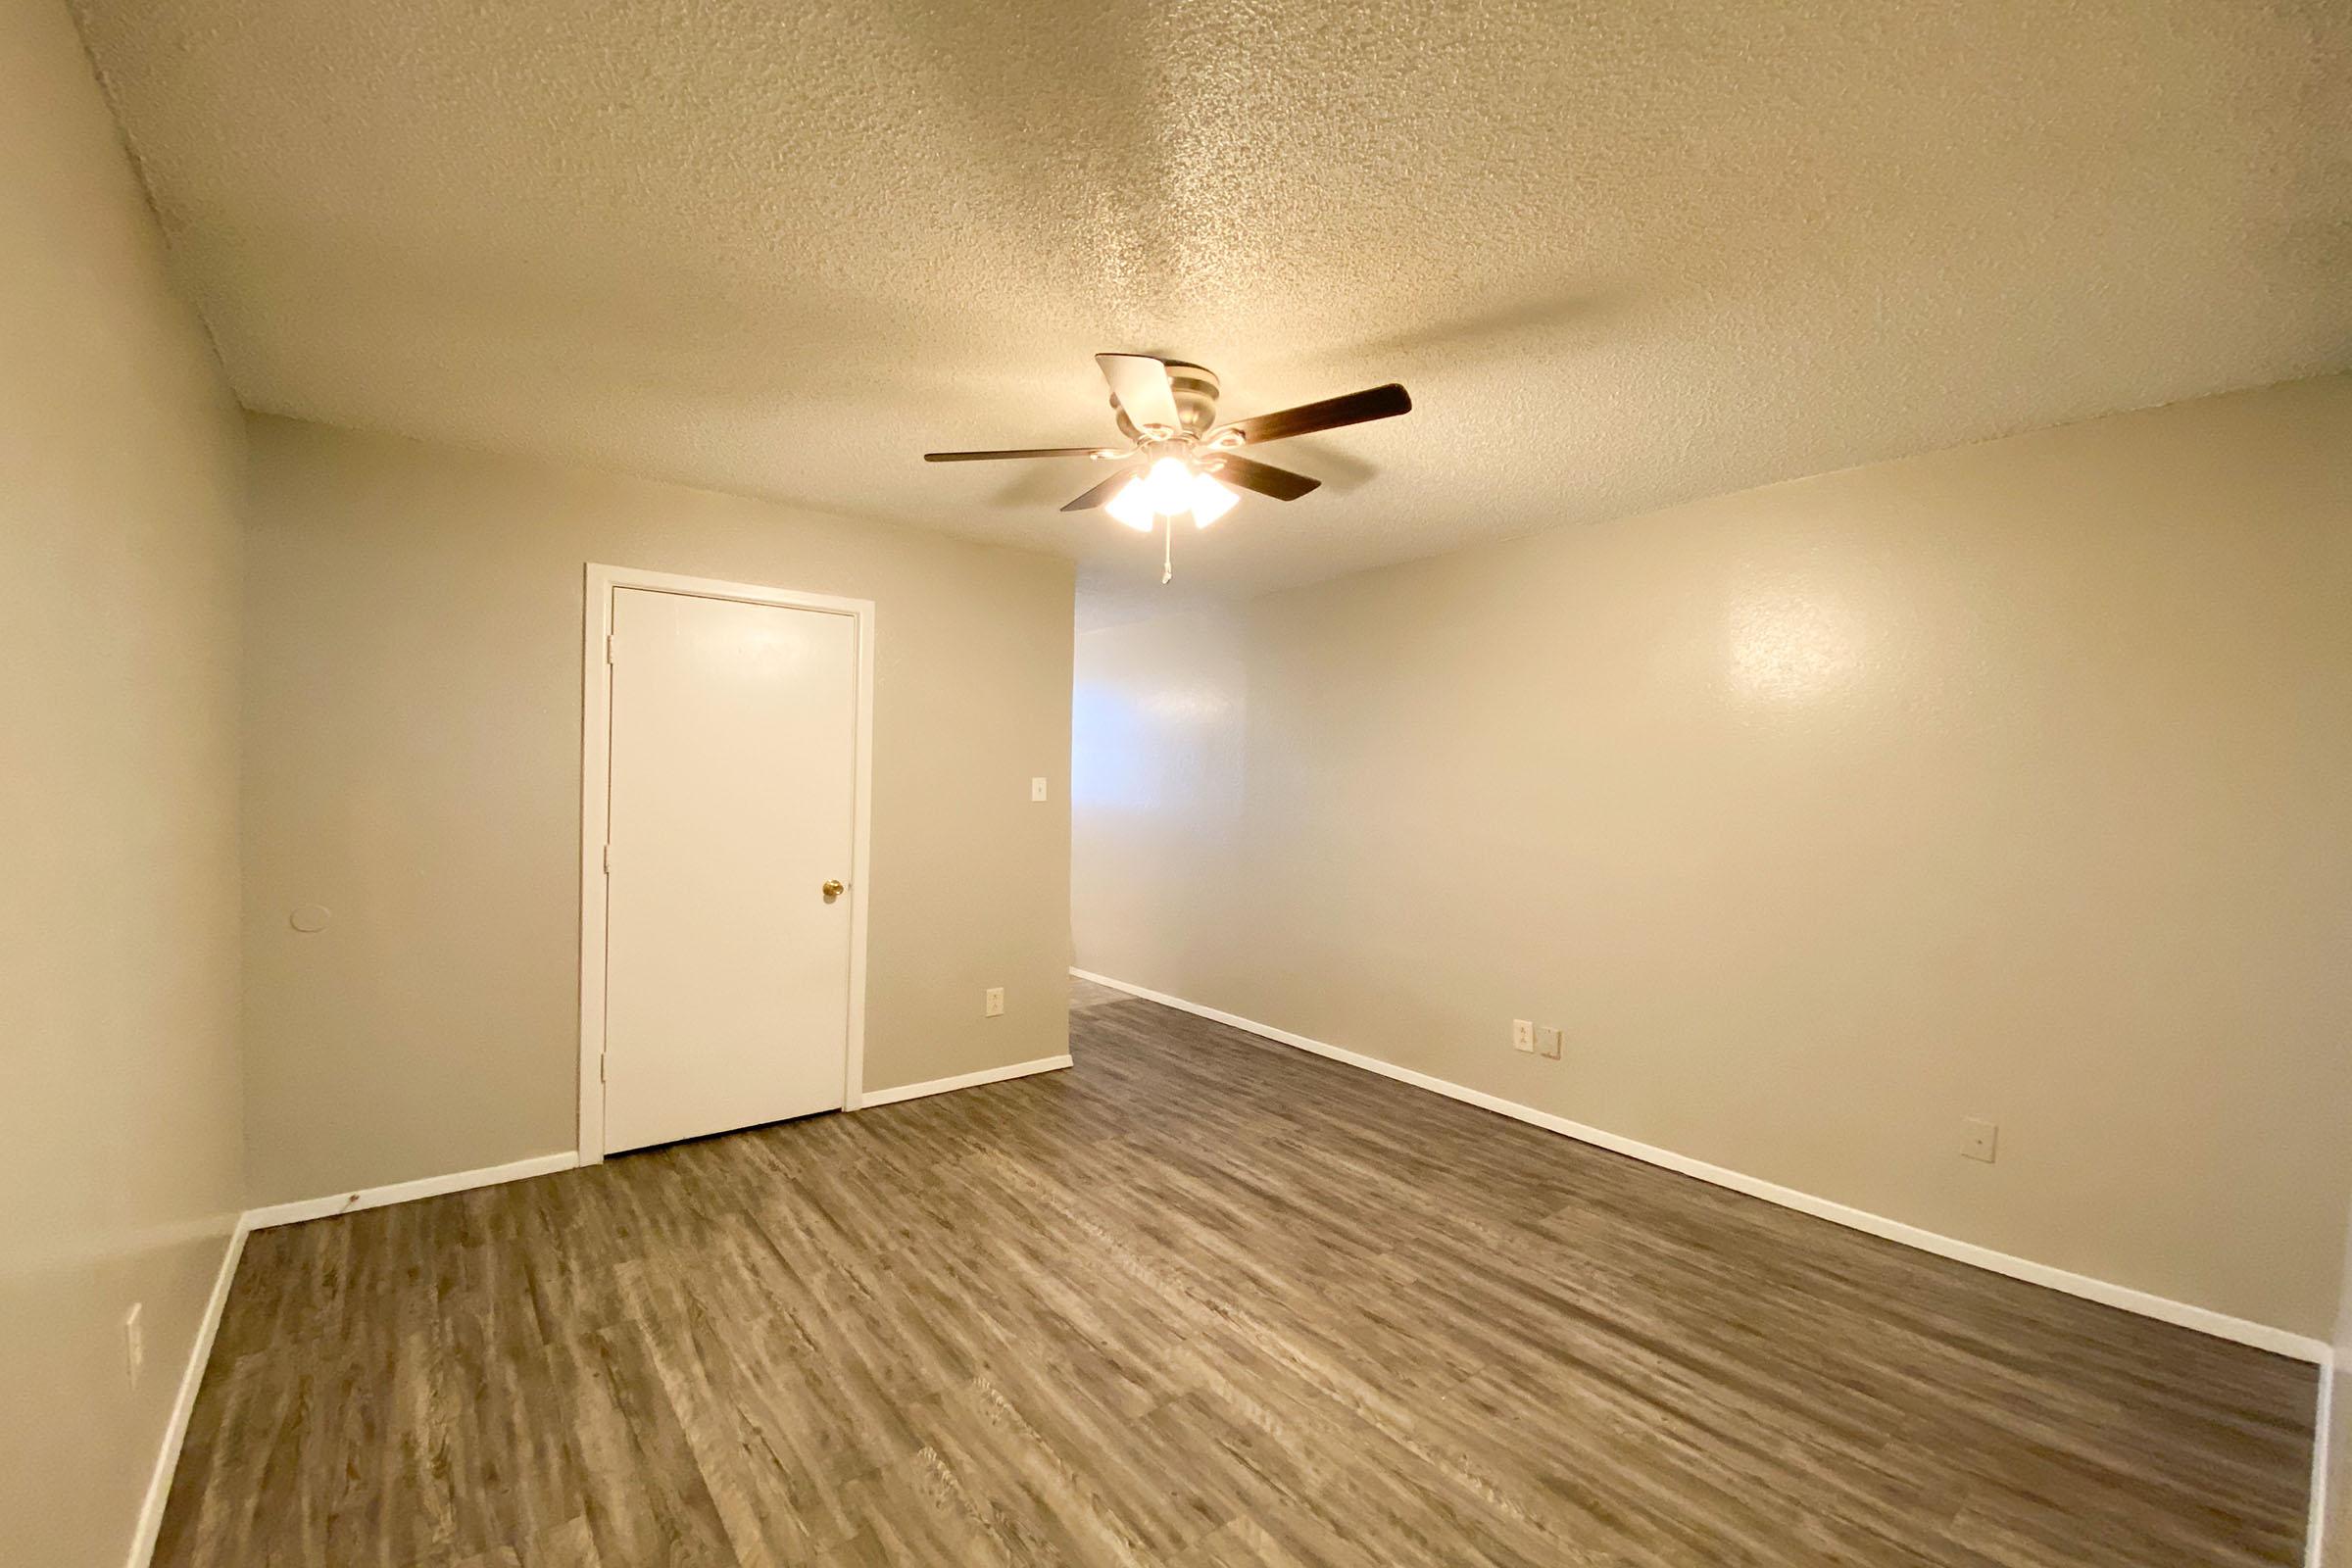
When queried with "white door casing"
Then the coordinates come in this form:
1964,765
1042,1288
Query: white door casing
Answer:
725,778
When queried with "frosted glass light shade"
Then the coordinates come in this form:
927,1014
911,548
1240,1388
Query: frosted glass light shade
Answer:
1211,500
1170,486
1131,506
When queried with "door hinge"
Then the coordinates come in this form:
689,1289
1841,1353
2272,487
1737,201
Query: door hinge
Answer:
608,859
610,638
600,1069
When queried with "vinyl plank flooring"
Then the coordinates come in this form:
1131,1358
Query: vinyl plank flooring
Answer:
1198,1301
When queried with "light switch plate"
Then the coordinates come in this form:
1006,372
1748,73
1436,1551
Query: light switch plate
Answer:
1551,1041
992,1003
1037,789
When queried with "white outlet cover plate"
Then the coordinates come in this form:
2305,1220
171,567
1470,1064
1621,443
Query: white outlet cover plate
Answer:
1979,1139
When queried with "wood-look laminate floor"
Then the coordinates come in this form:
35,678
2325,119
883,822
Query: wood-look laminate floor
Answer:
1198,1301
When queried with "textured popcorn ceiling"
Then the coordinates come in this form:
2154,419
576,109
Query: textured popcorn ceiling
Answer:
1622,253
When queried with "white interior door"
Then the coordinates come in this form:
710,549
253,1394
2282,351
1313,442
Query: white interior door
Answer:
732,803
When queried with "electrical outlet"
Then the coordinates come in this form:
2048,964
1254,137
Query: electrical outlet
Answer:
1978,1139
1523,1035
992,1003
135,1344
1552,1041
1037,789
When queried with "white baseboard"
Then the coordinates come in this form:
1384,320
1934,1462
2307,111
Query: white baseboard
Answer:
183,1403
2204,1320
968,1080
303,1208
2315,1534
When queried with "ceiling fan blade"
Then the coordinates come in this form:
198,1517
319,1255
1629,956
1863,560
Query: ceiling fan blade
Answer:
1028,452
1354,407
1140,384
1263,478
1099,493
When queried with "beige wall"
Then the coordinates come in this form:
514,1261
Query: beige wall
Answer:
413,763
1158,769
2004,782
119,1147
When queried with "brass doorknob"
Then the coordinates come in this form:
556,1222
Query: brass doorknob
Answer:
832,889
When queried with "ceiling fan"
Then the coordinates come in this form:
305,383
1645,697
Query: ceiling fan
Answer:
1178,461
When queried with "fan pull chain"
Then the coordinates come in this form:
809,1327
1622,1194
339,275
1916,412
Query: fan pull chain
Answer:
1167,557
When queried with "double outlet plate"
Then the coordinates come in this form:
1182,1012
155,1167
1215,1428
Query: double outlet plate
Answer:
1544,1041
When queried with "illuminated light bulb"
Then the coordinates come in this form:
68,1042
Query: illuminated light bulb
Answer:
1210,500
1131,506
1169,485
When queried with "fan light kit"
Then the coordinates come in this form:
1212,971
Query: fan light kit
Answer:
1178,461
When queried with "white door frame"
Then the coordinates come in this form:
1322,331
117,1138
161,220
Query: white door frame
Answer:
596,783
